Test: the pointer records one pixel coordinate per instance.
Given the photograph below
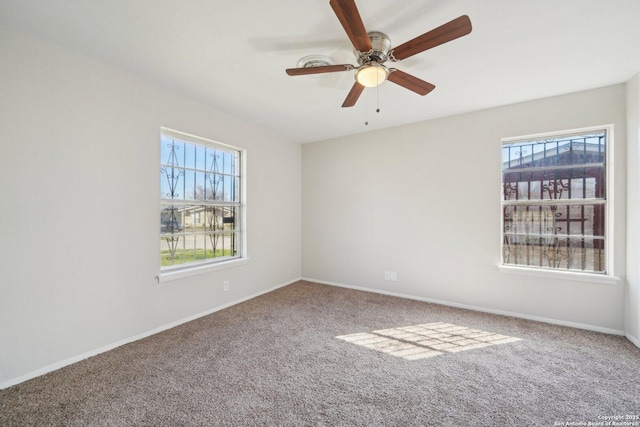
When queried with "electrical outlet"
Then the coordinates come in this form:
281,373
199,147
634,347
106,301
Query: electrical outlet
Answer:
387,275
393,276
225,285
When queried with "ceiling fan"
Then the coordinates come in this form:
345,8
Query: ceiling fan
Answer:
373,49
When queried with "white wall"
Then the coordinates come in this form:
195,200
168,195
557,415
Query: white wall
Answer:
632,321
424,200
79,169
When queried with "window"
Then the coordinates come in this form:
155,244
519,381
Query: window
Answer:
200,201
554,202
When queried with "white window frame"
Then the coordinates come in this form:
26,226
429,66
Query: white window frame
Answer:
608,276
195,268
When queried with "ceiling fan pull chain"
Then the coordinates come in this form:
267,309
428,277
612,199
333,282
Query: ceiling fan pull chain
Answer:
366,116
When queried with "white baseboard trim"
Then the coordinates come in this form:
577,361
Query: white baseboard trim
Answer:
476,308
633,339
95,352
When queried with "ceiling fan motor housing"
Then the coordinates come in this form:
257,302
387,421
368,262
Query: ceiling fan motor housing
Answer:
380,45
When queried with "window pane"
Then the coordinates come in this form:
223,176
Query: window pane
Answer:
228,187
209,158
202,247
191,215
171,152
214,184
165,185
200,185
171,219
212,217
171,250
190,185
171,182
165,150
573,253
541,220
200,157
228,163
554,169
563,151
229,244
562,234
189,156
200,230
573,183
230,218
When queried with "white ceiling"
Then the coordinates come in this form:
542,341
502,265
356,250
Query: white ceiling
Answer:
232,54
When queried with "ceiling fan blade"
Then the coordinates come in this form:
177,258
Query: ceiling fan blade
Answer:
452,30
410,82
349,17
353,96
319,70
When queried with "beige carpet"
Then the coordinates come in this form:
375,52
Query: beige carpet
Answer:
310,354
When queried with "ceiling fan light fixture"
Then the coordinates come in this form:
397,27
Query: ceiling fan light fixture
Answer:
371,75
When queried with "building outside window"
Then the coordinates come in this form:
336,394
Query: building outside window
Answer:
554,202
201,204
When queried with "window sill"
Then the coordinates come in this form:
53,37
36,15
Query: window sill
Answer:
562,275
169,276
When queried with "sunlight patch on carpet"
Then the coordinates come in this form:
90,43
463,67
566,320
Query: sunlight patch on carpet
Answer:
428,340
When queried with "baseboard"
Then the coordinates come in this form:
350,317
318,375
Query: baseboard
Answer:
95,352
476,308
633,339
